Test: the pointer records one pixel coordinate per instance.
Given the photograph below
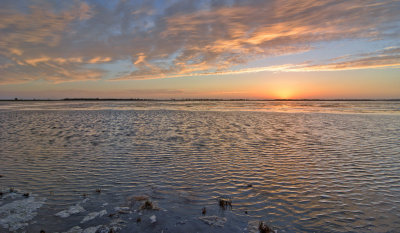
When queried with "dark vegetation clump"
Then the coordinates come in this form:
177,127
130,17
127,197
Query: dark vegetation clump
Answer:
148,205
42,231
11,190
225,203
264,228
25,194
98,190
138,220
204,211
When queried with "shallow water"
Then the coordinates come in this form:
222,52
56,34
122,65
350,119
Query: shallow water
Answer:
298,166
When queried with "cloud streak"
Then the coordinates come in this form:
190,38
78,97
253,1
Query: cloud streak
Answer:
387,58
71,41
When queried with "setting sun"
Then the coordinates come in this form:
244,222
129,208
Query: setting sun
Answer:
284,94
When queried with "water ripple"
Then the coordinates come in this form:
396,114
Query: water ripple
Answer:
301,172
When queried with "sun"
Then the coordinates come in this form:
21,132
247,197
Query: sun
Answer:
284,94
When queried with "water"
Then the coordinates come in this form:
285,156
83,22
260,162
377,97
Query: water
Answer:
298,166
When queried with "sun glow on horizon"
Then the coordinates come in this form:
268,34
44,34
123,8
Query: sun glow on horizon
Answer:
284,93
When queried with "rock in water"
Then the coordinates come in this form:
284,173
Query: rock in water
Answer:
94,215
213,220
72,210
17,214
91,229
75,229
153,219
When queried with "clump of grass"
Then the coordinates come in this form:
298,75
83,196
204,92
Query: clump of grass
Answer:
264,228
25,194
98,190
148,205
138,220
11,190
225,203
204,211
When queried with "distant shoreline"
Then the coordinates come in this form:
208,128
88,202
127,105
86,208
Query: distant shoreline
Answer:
188,99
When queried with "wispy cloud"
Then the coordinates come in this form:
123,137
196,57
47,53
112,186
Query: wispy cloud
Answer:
387,58
70,41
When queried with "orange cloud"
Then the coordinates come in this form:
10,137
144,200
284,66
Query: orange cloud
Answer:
184,40
99,60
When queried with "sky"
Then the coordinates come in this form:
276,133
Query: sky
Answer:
262,49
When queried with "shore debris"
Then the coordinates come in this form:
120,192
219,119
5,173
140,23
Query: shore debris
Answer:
98,190
204,211
133,199
214,220
105,229
138,220
122,210
94,215
72,210
25,194
225,203
91,229
17,214
11,190
264,228
94,229
75,229
153,219
149,205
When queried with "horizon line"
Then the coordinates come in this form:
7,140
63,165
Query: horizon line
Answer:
200,99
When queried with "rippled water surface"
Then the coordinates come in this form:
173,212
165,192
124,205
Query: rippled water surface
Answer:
298,166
